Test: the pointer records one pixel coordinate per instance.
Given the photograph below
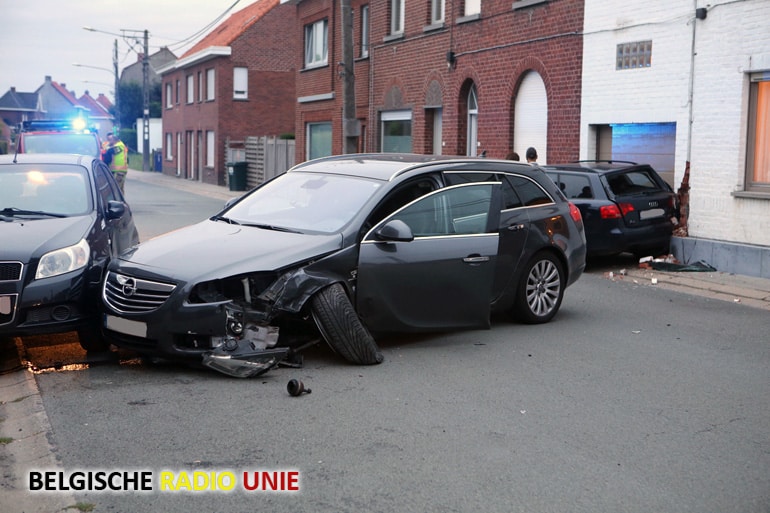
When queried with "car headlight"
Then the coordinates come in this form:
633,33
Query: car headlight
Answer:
63,260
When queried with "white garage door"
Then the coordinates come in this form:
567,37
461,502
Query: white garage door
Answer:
530,124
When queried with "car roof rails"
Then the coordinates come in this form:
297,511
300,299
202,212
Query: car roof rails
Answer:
602,161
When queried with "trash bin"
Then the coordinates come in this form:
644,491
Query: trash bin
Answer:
157,157
236,174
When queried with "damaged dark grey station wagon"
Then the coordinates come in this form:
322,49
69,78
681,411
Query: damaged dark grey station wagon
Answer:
344,247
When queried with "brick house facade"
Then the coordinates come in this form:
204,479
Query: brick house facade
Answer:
421,72
238,81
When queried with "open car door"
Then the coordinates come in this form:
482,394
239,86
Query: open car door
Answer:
431,264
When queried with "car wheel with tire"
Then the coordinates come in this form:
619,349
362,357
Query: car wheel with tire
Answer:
342,329
541,290
91,339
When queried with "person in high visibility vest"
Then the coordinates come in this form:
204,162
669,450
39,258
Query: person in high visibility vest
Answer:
119,164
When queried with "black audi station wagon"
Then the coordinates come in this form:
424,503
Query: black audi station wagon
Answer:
344,247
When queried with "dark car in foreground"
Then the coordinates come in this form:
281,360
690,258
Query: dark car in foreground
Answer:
626,207
344,248
62,219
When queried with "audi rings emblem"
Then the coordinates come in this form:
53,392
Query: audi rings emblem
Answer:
128,284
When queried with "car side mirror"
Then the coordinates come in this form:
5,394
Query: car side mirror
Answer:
115,209
394,231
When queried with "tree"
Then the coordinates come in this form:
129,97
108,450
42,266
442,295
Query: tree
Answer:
132,100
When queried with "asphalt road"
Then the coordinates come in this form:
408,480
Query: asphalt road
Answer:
633,399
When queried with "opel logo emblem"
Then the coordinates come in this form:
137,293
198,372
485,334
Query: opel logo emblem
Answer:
128,284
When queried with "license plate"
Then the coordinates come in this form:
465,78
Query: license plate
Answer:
126,326
5,305
653,212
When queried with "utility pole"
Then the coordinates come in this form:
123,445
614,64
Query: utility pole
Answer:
146,103
351,129
117,86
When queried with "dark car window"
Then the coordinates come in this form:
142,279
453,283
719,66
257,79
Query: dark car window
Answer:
632,182
528,191
403,195
450,211
305,202
510,198
105,185
575,186
55,188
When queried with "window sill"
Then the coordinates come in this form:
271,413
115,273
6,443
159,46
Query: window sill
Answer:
468,19
314,67
751,195
393,37
433,27
521,4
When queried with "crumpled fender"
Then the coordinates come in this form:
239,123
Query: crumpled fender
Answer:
293,290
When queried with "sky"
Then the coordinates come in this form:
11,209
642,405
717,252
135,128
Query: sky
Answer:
45,37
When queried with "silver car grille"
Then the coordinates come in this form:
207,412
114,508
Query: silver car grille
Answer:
10,271
127,294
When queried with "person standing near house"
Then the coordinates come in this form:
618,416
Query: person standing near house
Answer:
119,164
531,156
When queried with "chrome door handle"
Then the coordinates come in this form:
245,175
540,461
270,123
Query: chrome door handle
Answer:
475,259
516,227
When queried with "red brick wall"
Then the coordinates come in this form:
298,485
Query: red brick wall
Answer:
494,52
268,49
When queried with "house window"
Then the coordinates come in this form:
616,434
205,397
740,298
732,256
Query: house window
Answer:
200,87
473,122
169,147
210,89
240,83
758,142
315,44
472,7
319,140
169,98
210,148
634,55
190,89
437,11
364,31
176,93
396,130
396,16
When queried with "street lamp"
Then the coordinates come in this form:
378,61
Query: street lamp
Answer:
114,72
126,34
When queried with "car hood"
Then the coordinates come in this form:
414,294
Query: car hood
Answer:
24,239
215,249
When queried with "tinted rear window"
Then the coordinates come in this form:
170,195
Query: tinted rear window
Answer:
633,182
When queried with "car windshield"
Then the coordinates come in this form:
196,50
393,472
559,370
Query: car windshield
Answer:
84,144
58,189
304,202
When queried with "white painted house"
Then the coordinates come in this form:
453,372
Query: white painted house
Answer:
678,82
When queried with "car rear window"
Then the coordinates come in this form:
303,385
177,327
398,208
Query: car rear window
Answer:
633,182
83,144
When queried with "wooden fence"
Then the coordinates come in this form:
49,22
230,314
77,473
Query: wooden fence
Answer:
266,157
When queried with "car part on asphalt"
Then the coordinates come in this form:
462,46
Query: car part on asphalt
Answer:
296,388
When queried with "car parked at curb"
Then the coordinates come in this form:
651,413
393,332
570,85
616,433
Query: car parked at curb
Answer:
62,219
344,248
626,207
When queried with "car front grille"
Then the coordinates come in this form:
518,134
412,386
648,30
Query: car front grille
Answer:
127,294
10,271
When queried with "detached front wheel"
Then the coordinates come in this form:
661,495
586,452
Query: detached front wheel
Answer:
340,326
541,290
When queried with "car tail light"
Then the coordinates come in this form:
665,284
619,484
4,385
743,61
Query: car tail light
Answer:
574,213
626,208
610,212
